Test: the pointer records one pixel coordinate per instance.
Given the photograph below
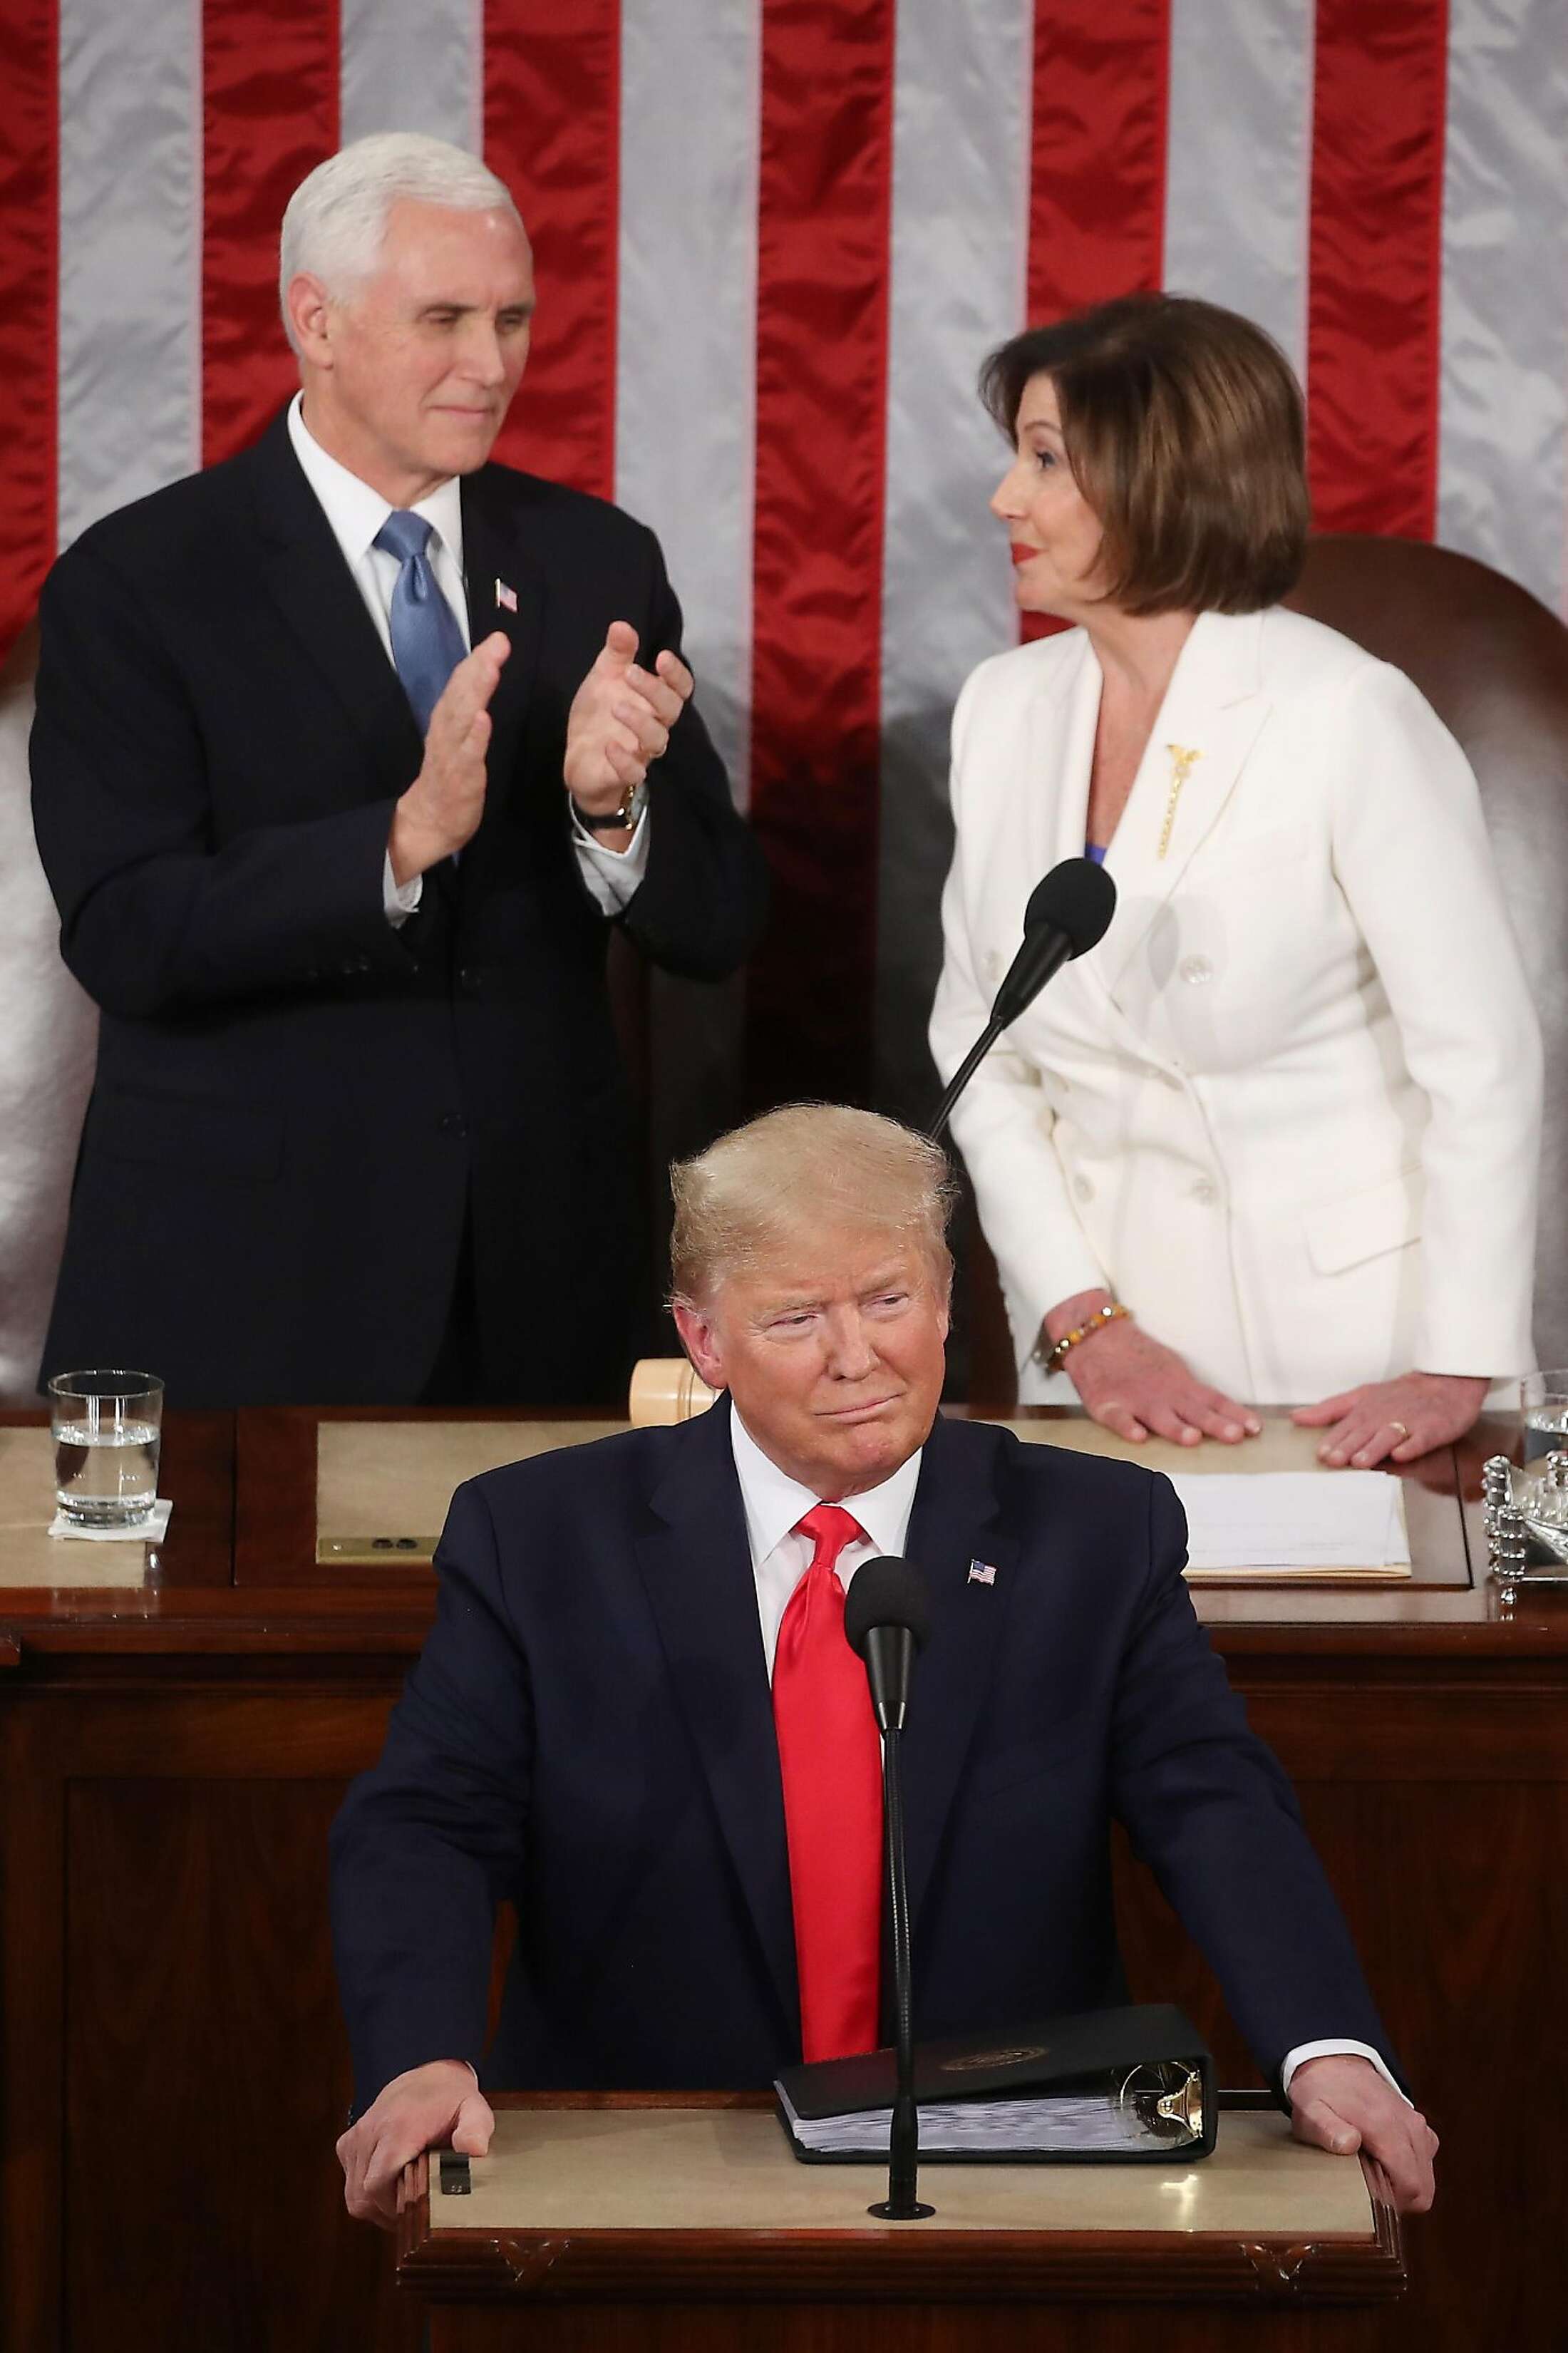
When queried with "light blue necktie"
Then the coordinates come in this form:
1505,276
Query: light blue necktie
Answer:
426,643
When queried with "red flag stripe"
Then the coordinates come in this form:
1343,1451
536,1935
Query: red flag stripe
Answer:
553,133
1375,265
28,277
1097,187
824,195
269,87
1096,196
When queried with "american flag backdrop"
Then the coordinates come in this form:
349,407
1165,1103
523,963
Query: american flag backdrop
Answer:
774,238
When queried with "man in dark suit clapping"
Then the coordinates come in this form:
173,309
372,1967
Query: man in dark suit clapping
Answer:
348,752
638,1718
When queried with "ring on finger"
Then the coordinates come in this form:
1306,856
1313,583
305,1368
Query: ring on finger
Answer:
1398,1426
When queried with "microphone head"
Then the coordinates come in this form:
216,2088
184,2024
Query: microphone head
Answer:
885,1592
1077,898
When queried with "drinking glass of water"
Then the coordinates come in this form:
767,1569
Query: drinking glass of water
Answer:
1543,1401
106,1428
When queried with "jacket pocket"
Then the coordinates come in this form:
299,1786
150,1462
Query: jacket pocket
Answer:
1346,1232
222,1139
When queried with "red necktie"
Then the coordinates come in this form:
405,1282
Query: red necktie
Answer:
831,1760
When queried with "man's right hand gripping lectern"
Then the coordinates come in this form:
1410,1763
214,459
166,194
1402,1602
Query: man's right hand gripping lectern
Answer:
626,2221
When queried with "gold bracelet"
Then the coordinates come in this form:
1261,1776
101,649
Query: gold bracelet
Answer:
1097,1322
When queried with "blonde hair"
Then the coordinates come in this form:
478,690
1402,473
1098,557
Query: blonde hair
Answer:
810,1166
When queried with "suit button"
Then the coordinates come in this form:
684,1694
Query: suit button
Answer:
468,980
452,1122
1083,1189
1207,1192
1195,970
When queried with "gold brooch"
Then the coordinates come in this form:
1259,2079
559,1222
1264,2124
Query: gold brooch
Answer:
1182,763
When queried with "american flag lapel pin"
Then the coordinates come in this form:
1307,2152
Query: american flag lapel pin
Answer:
981,1572
506,597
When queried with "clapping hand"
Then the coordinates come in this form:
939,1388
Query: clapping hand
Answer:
1394,1420
439,2106
620,720
440,812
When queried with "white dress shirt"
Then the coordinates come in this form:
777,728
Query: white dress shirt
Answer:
774,1501
356,515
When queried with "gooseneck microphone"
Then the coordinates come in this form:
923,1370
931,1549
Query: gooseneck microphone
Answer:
885,1619
1068,912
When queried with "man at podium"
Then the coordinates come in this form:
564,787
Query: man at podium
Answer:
638,1718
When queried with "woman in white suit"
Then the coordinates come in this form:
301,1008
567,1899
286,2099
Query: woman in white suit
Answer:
1276,1138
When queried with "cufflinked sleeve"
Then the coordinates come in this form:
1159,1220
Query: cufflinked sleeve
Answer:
699,910
1208,1808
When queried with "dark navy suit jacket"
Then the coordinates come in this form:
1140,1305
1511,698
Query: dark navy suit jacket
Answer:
299,1109
589,1730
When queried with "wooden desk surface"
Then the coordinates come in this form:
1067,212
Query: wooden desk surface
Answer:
612,2196
730,2169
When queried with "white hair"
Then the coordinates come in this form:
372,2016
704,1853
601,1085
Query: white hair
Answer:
336,217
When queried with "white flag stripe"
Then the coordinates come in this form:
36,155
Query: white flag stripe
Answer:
686,327
958,266
414,68
1502,494
1239,160
128,339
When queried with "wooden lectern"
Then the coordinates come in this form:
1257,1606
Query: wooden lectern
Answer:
614,2222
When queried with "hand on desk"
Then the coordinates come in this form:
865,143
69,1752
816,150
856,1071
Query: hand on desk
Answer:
1341,2103
439,2106
1133,1385
1395,1421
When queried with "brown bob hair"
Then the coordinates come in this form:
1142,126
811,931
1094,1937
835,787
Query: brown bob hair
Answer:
1185,432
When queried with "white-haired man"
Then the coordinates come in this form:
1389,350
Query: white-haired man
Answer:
339,769
638,1716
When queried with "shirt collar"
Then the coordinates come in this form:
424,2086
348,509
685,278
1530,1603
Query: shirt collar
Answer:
774,1501
355,511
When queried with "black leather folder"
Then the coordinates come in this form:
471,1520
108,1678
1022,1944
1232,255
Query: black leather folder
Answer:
1131,2087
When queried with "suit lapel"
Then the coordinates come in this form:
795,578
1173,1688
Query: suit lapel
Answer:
1213,708
1062,753
696,1564
319,599
1047,782
956,1523
499,563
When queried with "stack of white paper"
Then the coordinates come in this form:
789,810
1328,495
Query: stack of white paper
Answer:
1058,2121
1293,1519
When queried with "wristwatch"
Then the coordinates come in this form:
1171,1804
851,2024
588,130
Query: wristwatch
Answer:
626,816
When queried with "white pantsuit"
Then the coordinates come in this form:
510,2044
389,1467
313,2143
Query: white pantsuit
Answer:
1288,1109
